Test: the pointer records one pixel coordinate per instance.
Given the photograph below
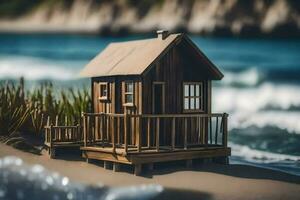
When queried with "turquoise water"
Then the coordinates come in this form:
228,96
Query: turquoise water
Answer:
260,91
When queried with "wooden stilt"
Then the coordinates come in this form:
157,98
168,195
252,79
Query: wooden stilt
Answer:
116,167
107,165
150,166
222,160
88,160
189,163
52,152
226,160
137,169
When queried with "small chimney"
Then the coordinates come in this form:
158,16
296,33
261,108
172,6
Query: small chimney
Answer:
162,34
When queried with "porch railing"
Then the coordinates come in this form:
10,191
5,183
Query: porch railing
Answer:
63,134
140,132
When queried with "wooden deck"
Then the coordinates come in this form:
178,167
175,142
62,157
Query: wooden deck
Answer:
152,155
147,139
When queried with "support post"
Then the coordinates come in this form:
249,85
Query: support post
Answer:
185,133
78,137
88,131
150,166
116,167
189,163
157,134
137,169
210,130
225,129
216,134
84,130
52,152
173,133
148,133
126,132
113,134
139,139
107,165
51,141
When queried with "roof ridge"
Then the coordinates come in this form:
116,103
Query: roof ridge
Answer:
144,39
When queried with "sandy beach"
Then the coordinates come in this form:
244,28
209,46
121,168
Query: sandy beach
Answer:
208,181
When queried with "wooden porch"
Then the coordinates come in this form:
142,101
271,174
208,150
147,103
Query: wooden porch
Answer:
61,137
138,139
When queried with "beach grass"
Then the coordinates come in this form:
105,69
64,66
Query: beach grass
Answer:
28,110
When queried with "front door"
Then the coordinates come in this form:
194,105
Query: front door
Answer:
158,106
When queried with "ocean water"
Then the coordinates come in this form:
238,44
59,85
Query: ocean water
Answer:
260,90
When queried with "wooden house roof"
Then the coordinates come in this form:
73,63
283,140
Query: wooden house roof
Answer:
134,57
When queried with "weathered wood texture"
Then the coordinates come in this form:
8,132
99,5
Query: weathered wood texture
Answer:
62,135
114,131
174,67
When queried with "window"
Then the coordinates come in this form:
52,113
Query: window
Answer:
103,91
193,96
128,93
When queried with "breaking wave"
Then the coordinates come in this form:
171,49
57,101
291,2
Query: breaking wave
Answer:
259,156
21,181
288,121
249,77
267,138
266,105
243,154
255,76
37,69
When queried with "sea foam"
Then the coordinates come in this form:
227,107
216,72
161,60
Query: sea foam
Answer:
36,69
266,105
248,77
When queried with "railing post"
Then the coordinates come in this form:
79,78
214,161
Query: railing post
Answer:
185,133
84,129
88,129
47,130
96,137
78,137
66,134
148,133
102,128
113,131
139,140
225,129
157,133
51,136
173,133
210,130
217,130
125,132
57,135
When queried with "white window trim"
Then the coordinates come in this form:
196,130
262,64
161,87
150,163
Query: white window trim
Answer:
201,97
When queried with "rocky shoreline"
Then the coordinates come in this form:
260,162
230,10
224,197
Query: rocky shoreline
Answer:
207,17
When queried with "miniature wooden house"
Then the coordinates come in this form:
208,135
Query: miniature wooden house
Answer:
152,103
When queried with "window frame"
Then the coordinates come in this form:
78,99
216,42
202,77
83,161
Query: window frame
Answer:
106,85
125,93
200,96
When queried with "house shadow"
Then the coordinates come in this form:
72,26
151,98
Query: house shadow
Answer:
69,154
234,170
179,194
250,171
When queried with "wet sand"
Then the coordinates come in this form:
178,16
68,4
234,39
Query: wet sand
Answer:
206,181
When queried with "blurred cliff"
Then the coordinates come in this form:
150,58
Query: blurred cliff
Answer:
206,17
